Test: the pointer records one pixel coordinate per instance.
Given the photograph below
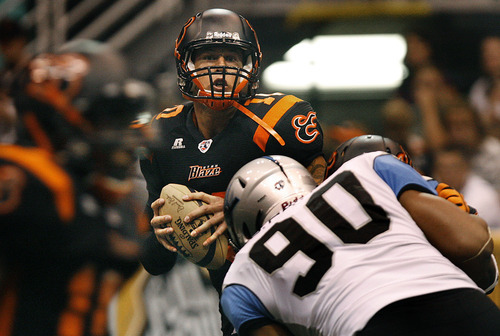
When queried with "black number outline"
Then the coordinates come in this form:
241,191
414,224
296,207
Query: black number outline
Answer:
300,240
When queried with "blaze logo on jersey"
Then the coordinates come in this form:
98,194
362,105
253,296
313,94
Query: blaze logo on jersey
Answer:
204,145
305,127
203,171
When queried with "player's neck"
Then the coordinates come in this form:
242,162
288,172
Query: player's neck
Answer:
211,122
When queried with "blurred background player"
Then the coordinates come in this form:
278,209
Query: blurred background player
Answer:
67,94
70,220
381,255
224,125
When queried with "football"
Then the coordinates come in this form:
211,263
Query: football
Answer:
191,248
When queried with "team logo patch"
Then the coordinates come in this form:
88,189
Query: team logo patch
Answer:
178,144
204,146
306,127
203,171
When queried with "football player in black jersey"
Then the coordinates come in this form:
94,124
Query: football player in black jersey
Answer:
224,125
69,226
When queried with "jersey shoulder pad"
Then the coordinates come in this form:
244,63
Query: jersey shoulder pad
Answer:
172,113
272,106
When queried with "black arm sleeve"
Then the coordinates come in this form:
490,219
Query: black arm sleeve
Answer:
155,258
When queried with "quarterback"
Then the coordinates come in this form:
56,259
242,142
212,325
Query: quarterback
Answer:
223,125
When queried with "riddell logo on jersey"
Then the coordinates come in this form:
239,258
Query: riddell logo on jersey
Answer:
203,171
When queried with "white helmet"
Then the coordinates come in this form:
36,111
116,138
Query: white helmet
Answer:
260,190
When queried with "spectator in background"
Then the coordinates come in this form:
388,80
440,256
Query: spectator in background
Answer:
463,128
14,39
431,93
399,124
432,89
451,165
420,52
459,125
493,126
481,91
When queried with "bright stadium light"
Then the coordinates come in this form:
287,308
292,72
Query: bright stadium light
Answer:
340,63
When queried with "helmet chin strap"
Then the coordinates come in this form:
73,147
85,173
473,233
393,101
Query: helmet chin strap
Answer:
218,104
214,104
222,104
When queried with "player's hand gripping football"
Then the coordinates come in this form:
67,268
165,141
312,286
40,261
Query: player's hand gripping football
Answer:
214,205
454,196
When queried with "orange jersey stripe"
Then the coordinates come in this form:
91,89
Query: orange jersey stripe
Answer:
38,162
169,113
267,128
80,289
272,117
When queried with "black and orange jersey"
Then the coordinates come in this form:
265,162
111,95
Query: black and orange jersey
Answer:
57,270
274,124
269,124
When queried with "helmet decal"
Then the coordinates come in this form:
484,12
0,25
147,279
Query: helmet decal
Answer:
306,128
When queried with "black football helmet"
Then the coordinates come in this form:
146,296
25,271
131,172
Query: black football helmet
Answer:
217,28
90,114
365,144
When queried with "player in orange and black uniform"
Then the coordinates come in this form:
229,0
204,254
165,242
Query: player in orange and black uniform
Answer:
68,224
206,164
66,96
204,142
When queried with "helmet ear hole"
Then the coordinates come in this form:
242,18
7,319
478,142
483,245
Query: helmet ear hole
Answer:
258,220
246,231
242,182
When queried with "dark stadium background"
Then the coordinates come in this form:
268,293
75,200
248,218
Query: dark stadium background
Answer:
145,31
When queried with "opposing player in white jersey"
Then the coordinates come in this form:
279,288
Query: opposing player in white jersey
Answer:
371,251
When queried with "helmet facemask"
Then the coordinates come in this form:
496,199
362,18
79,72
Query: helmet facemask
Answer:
218,86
